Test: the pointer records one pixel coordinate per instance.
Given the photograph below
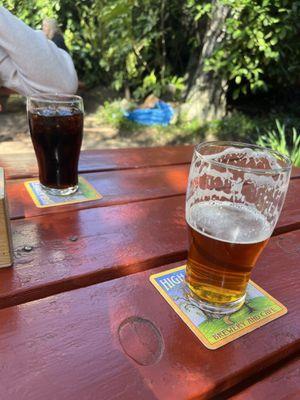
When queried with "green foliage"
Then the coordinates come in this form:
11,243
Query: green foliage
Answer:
134,45
149,46
33,12
280,140
260,45
236,126
112,113
121,43
151,84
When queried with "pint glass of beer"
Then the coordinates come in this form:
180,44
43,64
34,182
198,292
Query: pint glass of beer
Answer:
234,198
56,128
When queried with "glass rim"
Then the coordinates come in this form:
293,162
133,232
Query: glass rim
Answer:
59,98
272,171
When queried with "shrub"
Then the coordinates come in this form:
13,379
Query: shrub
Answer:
149,46
286,143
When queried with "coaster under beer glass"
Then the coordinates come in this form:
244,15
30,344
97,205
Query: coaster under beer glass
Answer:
234,198
56,128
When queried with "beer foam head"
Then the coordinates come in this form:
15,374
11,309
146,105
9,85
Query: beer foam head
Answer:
229,222
245,157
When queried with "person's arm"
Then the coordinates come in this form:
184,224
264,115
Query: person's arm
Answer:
30,63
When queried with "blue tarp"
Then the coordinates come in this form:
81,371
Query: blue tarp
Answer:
161,114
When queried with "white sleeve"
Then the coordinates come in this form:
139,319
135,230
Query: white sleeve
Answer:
30,63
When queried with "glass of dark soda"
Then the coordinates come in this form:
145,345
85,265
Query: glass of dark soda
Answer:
56,129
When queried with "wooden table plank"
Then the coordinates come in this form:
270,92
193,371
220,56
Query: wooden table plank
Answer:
290,215
69,344
282,384
24,165
56,263
119,187
111,242
82,247
295,173
116,187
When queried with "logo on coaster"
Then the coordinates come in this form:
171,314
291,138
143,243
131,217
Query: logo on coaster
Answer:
41,198
213,330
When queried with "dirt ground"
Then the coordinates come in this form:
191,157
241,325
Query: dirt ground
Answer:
15,138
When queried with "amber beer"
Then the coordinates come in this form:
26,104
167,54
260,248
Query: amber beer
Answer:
225,242
234,197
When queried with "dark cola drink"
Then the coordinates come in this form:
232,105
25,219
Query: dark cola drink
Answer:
56,135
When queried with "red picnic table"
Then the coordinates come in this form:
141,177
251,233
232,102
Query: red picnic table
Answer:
79,318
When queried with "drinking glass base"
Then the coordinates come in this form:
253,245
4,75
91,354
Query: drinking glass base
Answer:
60,192
217,308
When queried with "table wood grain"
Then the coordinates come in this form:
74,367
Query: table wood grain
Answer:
24,165
78,248
79,317
109,242
116,187
122,340
126,186
282,384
